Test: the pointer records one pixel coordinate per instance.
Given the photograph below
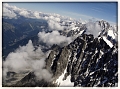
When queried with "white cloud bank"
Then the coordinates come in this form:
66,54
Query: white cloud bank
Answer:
93,28
54,25
53,38
7,12
26,57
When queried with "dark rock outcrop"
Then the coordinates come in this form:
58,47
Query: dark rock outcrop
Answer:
89,61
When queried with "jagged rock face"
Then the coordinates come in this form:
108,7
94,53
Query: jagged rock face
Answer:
108,31
90,62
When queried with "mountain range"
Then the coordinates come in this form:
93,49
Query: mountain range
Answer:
49,50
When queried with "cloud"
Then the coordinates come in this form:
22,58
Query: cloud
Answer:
8,13
39,71
57,19
54,22
12,11
24,13
53,38
53,25
93,28
26,57
36,14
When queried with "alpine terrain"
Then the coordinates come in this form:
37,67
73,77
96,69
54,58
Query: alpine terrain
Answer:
50,50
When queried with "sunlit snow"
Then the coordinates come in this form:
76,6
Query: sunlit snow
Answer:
110,33
107,41
66,82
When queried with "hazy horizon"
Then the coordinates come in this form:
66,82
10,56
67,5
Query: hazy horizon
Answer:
76,10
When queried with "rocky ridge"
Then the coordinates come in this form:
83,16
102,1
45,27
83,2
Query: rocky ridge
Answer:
89,62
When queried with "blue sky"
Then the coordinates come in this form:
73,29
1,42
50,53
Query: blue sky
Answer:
85,11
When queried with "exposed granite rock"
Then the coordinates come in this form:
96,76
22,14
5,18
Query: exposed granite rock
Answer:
89,61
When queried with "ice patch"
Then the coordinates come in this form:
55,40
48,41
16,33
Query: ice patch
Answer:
74,28
67,82
108,42
63,83
110,33
60,79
